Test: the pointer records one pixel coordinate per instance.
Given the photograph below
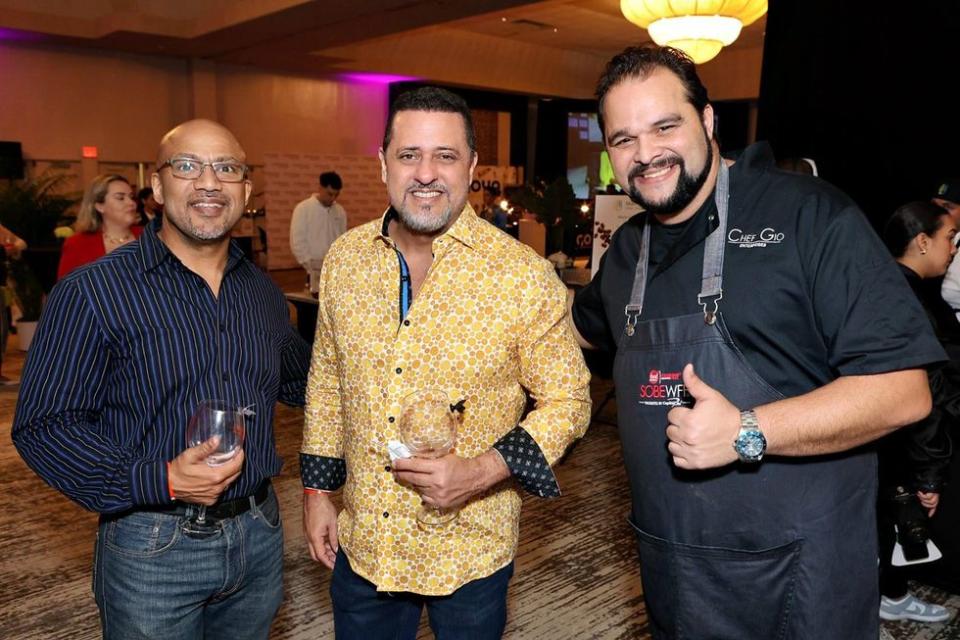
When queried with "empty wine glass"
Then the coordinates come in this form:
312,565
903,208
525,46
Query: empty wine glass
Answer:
215,418
428,427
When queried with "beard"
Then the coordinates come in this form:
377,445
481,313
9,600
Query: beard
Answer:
688,185
424,219
202,232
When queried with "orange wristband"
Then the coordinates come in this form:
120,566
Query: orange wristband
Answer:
308,490
170,483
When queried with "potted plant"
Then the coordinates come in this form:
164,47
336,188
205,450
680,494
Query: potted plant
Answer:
555,206
29,297
32,208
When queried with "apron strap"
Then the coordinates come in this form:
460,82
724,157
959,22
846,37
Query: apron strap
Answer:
639,290
711,284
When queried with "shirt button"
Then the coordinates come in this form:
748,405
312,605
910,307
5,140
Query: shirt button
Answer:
399,370
387,468
386,514
226,377
391,419
223,327
406,323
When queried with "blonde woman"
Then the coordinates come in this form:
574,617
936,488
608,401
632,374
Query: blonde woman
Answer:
105,222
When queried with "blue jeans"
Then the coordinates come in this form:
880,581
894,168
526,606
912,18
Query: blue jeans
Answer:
159,576
475,611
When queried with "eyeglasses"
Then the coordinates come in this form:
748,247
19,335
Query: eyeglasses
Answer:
192,169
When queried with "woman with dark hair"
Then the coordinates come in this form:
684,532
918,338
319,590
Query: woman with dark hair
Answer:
913,461
105,222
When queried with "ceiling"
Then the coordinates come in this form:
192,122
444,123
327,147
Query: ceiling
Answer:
468,42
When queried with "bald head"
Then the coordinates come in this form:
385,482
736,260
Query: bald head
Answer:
202,203
199,133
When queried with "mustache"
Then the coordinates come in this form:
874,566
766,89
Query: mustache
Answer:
433,186
659,163
208,200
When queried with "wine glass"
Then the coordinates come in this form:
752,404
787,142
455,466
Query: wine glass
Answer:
215,418
428,427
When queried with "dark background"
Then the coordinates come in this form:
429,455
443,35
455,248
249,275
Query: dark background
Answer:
868,91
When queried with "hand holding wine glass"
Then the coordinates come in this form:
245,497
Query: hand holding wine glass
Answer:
428,427
214,458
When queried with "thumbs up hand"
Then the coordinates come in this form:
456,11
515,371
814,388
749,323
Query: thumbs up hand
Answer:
702,437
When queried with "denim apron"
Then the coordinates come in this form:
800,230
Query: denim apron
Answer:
785,548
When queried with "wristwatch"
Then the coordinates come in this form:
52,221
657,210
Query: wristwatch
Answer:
750,444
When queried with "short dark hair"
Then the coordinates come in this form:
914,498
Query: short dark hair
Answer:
331,179
639,62
431,99
492,190
909,221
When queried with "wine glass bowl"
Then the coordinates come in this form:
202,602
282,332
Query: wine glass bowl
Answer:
428,427
217,419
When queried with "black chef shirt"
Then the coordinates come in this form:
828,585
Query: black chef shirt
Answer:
809,291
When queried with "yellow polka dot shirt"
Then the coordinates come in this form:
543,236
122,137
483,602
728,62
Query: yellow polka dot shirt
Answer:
488,323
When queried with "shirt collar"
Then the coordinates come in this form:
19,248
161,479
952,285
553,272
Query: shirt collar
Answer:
153,251
465,230
756,157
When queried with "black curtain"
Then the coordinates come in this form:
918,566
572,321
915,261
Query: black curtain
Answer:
865,89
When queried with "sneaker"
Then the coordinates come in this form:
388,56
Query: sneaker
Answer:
910,607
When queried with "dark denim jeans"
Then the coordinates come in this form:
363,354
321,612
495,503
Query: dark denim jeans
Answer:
475,611
159,576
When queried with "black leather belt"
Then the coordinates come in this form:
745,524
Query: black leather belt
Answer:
221,510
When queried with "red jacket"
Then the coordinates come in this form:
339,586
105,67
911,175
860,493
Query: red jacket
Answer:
81,248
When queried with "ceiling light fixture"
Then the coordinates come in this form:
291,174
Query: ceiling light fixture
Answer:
699,28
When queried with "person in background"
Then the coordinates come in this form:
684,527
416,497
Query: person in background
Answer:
126,349
11,246
759,327
948,196
147,206
913,461
431,296
316,223
106,221
488,210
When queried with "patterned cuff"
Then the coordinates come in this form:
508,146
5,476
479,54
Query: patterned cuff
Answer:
527,463
320,472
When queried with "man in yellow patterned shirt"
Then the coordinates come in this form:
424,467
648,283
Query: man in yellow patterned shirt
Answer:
431,296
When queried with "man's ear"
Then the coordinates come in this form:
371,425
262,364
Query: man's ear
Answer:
708,121
157,187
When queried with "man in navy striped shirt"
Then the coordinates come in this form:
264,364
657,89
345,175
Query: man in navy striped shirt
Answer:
126,348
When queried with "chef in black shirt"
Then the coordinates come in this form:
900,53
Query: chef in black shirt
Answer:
762,336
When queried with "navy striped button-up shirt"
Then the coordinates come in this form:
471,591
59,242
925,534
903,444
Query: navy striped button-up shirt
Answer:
126,348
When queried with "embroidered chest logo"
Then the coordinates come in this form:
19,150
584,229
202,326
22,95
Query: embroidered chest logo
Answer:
664,389
745,240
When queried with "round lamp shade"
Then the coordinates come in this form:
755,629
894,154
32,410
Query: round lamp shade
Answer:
699,28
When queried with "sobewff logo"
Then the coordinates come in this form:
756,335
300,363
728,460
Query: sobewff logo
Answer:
664,389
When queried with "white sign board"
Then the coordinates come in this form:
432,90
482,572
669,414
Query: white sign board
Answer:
609,213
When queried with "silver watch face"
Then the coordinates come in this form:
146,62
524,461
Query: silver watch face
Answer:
750,445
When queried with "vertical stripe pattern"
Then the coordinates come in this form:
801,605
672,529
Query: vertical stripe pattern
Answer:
126,348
